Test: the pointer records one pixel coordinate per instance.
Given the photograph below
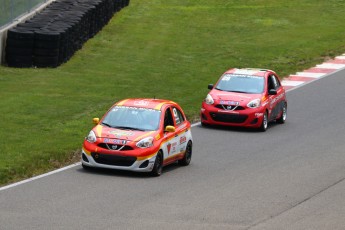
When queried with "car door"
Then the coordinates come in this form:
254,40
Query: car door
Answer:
171,139
275,96
181,130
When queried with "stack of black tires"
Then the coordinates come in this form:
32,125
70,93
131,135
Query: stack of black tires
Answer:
51,37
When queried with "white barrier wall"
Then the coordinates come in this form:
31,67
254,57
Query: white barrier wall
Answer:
3,31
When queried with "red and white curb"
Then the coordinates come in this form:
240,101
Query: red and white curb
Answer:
314,73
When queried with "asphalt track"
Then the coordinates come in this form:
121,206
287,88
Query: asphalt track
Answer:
290,177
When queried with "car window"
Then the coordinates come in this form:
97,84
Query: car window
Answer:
273,82
132,117
168,119
178,116
276,82
241,83
270,83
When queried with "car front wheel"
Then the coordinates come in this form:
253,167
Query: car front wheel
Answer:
158,165
264,123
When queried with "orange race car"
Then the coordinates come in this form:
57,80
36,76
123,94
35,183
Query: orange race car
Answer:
140,135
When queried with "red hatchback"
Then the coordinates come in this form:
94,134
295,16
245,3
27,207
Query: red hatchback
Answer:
245,97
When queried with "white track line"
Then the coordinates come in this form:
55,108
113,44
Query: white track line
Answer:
38,177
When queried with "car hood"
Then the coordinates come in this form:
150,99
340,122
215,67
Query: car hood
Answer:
227,97
121,134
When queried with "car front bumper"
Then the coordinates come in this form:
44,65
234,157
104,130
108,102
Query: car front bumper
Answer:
244,118
111,161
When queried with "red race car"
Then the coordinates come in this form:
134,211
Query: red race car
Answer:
140,135
245,97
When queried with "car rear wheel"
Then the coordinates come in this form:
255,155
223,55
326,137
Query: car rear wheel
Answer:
158,165
264,123
187,155
282,118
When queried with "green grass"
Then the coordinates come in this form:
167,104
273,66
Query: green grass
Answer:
159,48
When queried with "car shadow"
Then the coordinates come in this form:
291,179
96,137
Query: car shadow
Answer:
271,124
125,173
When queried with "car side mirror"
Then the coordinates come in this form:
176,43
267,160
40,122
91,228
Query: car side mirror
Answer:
210,86
169,128
272,92
95,120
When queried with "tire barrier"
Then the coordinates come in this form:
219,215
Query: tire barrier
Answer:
52,36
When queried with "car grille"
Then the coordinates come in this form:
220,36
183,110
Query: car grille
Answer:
115,147
229,118
233,107
113,159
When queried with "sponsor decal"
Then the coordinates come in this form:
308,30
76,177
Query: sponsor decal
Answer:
157,137
228,111
168,147
277,98
141,103
133,108
183,139
121,133
259,114
229,102
226,78
173,147
241,74
114,141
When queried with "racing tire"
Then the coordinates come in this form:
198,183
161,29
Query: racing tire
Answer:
158,165
187,155
282,118
264,123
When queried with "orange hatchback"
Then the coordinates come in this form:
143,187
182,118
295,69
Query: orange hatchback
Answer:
140,135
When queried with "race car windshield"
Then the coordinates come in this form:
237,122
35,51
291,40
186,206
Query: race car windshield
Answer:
134,118
241,83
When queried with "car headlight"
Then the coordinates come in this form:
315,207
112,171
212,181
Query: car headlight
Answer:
209,100
145,143
91,137
254,103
